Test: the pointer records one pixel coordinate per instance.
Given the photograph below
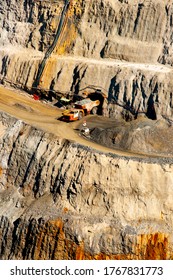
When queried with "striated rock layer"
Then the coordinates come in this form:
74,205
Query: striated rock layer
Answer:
118,46
60,200
98,28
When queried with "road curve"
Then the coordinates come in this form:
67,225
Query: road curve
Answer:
44,116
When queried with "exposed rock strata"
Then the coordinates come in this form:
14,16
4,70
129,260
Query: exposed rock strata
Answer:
101,206
131,86
136,32
28,23
108,28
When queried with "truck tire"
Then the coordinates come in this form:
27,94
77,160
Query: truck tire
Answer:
94,110
80,115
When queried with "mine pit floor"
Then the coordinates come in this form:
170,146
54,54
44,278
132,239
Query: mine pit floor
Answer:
45,116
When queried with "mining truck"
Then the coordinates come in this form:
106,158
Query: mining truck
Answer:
81,109
72,114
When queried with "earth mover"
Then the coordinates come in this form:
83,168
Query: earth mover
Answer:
81,109
72,114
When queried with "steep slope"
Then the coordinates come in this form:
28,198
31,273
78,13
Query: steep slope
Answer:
101,206
62,197
107,33
117,29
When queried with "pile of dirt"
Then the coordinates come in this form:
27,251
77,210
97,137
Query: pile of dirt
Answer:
140,136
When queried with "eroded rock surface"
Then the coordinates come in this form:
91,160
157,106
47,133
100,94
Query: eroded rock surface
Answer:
119,46
60,200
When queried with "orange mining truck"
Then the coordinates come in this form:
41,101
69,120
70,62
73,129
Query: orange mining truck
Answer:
82,108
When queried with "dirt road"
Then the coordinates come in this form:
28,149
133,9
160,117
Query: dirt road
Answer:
154,67
44,116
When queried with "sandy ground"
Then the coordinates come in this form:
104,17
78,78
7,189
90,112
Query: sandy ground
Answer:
45,116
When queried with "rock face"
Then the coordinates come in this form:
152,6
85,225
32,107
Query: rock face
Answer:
104,28
61,200
29,24
96,39
102,206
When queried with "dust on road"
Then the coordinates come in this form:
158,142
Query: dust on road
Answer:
45,116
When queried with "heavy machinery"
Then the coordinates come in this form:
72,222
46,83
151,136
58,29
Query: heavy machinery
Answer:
72,114
88,105
81,109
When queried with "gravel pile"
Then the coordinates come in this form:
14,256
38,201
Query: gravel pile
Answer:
141,136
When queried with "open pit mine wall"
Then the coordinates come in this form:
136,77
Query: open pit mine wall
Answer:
60,200
131,31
